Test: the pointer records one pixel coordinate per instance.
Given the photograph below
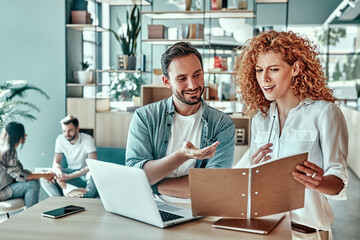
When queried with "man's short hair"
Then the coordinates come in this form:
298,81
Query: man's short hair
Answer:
70,119
179,49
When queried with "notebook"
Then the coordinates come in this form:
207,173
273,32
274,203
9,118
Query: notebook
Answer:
247,193
126,191
262,225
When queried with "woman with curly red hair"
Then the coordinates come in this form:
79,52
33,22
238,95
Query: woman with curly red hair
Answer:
280,79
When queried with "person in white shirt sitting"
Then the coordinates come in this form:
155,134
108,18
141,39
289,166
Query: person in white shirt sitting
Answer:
76,147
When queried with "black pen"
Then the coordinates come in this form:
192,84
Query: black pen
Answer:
272,126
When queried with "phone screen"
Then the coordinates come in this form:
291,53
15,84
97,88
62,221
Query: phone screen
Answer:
63,211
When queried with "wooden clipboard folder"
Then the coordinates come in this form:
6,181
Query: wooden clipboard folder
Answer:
258,191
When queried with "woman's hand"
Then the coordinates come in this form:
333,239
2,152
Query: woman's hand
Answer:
310,175
192,152
261,154
49,176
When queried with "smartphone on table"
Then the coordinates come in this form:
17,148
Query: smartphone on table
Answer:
63,211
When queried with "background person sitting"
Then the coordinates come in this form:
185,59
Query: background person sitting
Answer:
76,147
16,182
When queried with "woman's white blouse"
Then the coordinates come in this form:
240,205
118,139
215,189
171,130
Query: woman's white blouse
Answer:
317,127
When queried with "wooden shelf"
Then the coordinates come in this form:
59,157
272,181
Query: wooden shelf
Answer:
86,27
126,2
79,84
201,14
117,71
222,101
270,1
169,42
222,72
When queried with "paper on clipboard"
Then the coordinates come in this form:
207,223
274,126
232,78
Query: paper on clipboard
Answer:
261,190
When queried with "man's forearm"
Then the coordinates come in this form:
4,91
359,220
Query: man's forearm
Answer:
79,173
158,169
175,187
56,168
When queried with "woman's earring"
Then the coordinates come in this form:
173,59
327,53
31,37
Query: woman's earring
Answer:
293,80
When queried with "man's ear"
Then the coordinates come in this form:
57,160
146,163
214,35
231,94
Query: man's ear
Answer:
166,81
295,68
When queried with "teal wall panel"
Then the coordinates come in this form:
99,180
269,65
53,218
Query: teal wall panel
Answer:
32,47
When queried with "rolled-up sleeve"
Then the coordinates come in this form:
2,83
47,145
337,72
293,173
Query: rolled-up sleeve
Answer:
224,155
138,149
334,144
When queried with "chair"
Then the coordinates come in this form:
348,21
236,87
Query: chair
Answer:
11,205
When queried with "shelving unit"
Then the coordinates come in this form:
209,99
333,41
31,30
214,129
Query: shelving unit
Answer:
195,15
126,2
219,72
200,14
100,122
170,42
86,27
116,71
271,1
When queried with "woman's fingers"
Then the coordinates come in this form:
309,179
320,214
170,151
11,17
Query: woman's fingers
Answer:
261,154
309,174
311,170
314,167
262,148
264,159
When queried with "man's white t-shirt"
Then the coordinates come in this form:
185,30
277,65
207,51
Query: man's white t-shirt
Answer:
75,153
184,128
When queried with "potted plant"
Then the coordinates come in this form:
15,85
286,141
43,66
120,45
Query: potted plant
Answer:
126,36
124,87
84,76
11,107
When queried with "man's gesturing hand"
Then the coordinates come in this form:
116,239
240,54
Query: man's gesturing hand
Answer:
192,152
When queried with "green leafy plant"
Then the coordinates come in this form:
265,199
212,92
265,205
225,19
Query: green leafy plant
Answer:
357,85
124,86
356,67
337,72
127,35
12,108
85,65
330,36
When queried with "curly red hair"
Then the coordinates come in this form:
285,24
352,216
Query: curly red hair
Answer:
309,83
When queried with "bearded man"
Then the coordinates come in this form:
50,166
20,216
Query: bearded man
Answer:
168,137
76,147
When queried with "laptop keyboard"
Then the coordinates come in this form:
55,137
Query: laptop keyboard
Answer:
166,216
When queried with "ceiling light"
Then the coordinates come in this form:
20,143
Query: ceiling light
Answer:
338,14
351,4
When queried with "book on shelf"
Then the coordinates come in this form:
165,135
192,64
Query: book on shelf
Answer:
192,31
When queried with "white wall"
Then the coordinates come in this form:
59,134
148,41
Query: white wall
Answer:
352,118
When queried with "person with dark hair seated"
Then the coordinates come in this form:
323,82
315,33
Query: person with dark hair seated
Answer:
16,182
168,137
76,147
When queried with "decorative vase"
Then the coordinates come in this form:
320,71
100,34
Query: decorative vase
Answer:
84,77
126,62
132,63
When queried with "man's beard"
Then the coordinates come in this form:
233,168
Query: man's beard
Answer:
182,98
73,138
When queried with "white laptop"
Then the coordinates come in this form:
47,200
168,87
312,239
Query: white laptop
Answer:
126,191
